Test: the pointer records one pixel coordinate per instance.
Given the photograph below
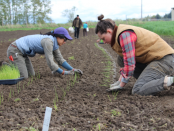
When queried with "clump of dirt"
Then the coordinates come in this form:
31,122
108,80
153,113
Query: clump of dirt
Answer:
80,102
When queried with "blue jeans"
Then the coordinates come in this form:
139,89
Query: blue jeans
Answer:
76,33
150,78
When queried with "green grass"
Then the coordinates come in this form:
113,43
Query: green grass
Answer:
159,27
9,72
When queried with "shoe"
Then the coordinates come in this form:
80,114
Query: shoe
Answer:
75,38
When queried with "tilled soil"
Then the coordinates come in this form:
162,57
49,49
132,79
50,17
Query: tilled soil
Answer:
82,102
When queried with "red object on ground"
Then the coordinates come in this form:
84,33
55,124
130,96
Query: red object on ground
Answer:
11,58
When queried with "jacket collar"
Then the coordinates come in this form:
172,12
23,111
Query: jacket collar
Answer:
114,35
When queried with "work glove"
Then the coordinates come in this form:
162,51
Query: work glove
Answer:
115,84
115,88
78,71
71,72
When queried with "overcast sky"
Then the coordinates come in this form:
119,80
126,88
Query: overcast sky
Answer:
114,9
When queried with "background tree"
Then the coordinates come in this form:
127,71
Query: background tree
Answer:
158,16
24,11
167,15
69,14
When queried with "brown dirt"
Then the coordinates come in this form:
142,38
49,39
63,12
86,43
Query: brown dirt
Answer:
84,105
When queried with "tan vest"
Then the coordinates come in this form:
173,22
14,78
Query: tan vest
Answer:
148,47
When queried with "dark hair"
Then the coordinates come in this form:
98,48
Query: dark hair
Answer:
103,25
54,35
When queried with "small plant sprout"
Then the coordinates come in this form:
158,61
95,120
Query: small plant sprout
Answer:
19,86
55,106
109,98
99,128
74,129
75,77
71,58
36,99
64,92
31,128
17,100
115,113
31,79
38,75
94,95
23,86
0,99
56,96
115,96
9,95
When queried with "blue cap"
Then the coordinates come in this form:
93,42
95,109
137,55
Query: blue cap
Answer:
62,31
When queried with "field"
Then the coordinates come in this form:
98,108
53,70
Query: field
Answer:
80,103
159,27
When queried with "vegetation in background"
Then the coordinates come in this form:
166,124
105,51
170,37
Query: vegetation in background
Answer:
69,14
159,27
9,72
14,12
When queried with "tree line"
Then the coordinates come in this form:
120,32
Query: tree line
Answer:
24,12
157,16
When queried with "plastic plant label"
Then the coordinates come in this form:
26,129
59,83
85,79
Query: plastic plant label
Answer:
47,119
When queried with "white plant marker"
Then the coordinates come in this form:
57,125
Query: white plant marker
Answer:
47,119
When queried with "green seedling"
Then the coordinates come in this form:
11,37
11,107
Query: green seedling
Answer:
38,75
115,113
36,99
56,96
23,86
99,128
71,58
115,96
109,98
55,106
9,72
75,77
31,79
28,83
31,128
9,95
74,129
17,99
64,92
0,99
94,95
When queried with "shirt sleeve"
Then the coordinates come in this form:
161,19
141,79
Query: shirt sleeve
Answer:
58,57
47,45
127,43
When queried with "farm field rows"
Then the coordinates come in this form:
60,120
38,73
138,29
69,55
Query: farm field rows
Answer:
80,103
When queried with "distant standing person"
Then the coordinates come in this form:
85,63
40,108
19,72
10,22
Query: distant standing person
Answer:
77,23
85,26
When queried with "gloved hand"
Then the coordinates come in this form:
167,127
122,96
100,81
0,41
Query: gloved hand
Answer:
114,88
78,71
71,72
115,84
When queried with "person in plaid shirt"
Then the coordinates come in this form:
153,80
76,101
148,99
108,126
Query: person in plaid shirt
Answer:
141,54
